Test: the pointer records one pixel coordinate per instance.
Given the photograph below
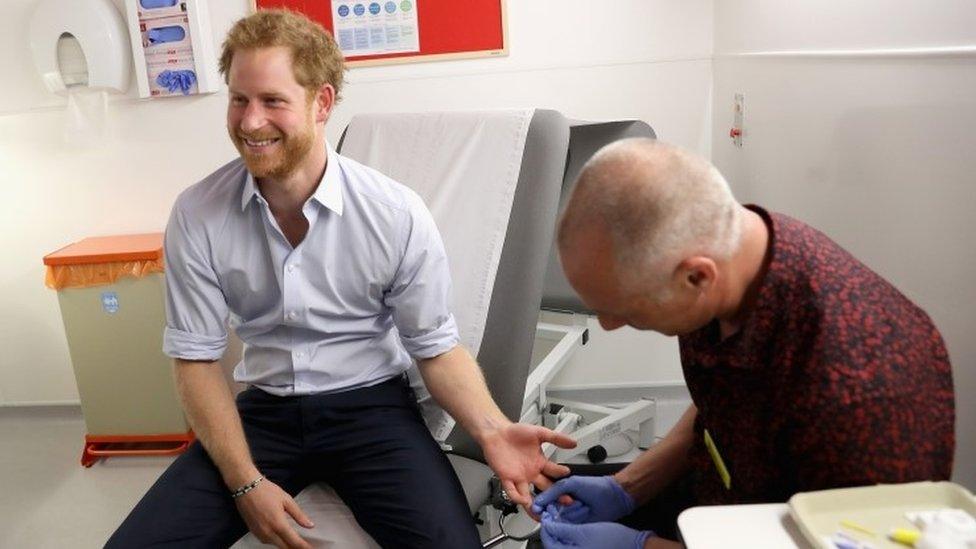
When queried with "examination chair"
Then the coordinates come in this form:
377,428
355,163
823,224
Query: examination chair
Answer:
504,341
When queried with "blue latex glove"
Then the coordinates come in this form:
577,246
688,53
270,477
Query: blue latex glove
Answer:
597,499
177,80
153,4
596,535
158,35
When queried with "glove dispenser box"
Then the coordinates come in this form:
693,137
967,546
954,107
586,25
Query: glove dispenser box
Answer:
172,47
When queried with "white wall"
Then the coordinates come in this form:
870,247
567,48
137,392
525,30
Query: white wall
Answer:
876,150
644,59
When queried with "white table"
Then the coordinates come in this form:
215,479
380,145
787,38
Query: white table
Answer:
761,526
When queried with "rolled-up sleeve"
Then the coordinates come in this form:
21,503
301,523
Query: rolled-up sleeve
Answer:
420,296
196,310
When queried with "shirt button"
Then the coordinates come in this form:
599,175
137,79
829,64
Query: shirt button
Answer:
292,315
300,354
291,268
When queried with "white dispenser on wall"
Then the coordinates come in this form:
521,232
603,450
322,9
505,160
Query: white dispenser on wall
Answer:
172,47
99,30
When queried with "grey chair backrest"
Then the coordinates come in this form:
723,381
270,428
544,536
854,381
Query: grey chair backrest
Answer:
585,138
506,347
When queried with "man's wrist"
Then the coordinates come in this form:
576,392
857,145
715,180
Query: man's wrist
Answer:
488,428
246,487
241,476
642,537
627,503
628,485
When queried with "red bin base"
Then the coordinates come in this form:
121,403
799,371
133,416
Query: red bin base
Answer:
105,446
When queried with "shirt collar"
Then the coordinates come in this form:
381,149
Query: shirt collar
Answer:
771,302
744,349
328,193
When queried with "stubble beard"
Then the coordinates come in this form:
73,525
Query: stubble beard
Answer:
291,152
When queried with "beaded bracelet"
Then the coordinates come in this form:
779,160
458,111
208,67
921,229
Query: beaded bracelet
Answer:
246,488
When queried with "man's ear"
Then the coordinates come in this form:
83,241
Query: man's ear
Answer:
697,273
324,102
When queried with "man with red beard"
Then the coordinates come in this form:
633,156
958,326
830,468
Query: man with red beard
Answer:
336,279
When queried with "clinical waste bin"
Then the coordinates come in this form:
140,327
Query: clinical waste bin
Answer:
112,297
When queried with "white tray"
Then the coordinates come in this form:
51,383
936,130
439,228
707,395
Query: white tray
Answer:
879,508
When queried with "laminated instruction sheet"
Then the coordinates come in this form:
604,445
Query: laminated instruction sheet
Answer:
378,27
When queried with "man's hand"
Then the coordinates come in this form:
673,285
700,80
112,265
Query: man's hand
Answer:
597,499
513,452
266,509
598,535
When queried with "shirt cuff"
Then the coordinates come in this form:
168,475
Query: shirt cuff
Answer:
434,342
190,346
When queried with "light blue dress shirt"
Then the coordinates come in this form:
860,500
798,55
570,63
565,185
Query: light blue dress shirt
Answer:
365,293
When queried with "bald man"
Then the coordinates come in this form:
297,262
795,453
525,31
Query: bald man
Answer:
806,369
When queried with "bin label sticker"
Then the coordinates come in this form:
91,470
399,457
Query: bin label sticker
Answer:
110,302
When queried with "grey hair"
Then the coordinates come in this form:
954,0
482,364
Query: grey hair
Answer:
659,203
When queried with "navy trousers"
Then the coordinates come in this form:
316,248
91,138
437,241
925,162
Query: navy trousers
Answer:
369,444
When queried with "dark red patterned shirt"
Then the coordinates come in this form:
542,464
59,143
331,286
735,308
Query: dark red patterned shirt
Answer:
835,379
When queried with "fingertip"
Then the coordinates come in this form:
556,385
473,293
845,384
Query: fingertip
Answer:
551,436
560,439
554,511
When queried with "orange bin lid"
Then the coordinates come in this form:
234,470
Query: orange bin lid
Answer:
109,249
